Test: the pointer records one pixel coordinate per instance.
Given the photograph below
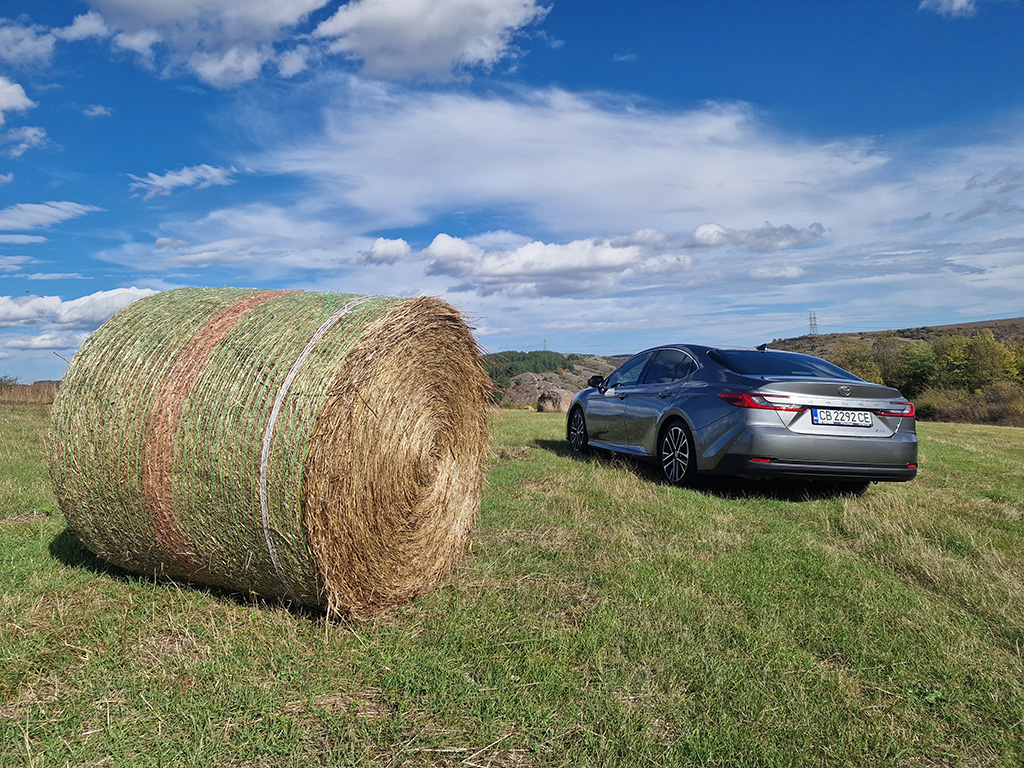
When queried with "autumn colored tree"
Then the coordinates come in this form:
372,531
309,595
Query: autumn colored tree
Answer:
858,359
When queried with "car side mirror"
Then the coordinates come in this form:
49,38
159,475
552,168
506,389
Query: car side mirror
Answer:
595,381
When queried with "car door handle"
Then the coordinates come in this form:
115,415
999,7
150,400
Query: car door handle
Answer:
664,394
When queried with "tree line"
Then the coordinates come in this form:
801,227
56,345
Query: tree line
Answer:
971,378
503,367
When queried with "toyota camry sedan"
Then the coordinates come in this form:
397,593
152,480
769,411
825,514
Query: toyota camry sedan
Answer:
755,413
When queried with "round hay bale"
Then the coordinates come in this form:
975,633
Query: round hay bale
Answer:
554,401
323,448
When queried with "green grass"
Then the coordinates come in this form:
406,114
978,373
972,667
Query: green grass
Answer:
24,483
602,619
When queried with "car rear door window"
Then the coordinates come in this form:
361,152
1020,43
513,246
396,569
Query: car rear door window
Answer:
669,365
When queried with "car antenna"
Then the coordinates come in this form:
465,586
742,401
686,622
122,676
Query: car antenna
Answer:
762,347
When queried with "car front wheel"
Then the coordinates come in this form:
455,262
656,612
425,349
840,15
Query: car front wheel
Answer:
578,431
675,454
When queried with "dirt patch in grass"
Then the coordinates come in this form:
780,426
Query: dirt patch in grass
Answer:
368,704
28,517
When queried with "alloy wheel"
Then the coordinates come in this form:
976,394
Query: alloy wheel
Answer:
675,453
577,431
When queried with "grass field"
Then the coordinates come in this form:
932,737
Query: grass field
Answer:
602,619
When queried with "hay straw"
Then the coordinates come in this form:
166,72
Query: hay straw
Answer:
322,448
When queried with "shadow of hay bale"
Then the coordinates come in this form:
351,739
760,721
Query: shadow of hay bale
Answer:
68,549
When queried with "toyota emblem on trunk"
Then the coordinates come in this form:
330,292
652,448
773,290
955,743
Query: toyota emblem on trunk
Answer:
845,391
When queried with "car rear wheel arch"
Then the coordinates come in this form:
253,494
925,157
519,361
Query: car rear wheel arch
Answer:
676,452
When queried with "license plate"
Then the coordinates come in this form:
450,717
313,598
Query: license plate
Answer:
834,418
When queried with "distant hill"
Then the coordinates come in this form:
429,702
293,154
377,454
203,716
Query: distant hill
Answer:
822,344
522,376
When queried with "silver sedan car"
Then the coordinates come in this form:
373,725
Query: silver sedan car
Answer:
755,413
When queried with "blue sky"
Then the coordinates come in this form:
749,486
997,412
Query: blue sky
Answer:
594,176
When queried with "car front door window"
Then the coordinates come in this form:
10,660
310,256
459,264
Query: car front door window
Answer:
629,373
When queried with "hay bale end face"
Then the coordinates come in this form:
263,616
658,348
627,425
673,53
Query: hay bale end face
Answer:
322,448
554,401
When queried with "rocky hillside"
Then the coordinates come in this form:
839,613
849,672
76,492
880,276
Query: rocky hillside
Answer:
524,388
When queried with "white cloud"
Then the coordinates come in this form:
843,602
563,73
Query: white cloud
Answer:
236,65
777,272
577,268
384,251
500,239
54,314
50,340
406,38
29,310
25,46
140,42
12,98
223,42
452,255
96,308
198,176
13,263
21,239
290,63
21,140
97,110
564,161
84,26
950,7
41,215
6,178
260,239
764,239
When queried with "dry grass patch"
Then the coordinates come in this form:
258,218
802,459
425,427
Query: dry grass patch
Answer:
365,705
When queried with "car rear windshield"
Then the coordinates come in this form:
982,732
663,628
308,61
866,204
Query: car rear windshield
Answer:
755,363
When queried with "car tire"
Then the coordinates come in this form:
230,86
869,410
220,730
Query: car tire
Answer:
579,440
676,455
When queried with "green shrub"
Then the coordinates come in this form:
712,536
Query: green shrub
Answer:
1002,403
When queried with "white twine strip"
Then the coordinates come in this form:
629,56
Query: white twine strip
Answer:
268,435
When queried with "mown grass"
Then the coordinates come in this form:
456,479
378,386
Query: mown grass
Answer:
602,619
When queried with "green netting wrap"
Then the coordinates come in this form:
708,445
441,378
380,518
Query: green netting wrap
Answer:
319,447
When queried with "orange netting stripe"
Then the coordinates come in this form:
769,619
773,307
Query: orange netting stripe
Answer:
174,392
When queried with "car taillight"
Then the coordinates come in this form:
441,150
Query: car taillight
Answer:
767,403
900,409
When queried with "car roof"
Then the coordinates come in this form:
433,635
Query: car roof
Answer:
700,348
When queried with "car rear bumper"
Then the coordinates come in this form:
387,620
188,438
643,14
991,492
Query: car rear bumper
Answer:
760,467
760,452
